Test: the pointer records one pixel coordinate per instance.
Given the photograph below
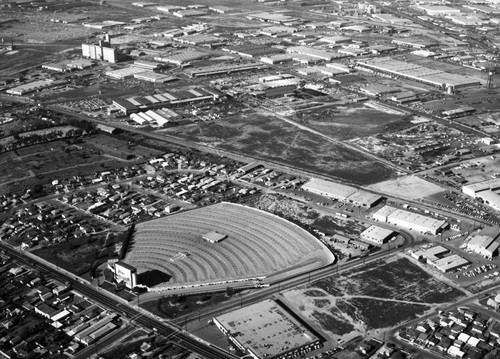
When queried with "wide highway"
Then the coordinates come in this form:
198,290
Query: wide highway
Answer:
184,338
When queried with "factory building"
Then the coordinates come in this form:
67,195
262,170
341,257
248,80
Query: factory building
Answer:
438,257
409,220
401,69
253,50
181,96
102,51
488,191
30,87
376,235
268,330
329,189
485,243
342,192
223,69
156,118
321,54
182,58
438,10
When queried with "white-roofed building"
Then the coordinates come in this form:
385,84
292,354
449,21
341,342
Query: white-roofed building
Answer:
376,235
485,242
329,189
410,220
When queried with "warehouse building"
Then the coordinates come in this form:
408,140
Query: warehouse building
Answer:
224,69
30,87
431,77
198,39
169,8
268,330
485,243
409,220
438,257
156,118
329,189
125,106
253,50
310,51
438,10
181,96
154,77
125,73
183,57
342,192
488,191
376,235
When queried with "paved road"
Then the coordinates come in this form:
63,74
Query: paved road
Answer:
107,300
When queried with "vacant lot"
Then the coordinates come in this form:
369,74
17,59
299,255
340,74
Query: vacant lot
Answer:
378,296
271,139
356,121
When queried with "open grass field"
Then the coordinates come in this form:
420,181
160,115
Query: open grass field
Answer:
377,296
271,139
257,244
353,121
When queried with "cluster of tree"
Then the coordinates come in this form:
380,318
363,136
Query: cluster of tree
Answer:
127,241
30,139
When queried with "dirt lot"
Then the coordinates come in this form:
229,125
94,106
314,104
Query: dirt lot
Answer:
271,139
410,187
378,296
355,121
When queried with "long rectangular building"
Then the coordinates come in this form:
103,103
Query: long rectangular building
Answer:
436,78
342,192
410,220
224,69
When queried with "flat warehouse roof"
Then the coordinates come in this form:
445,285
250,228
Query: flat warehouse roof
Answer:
328,188
377,232
417,219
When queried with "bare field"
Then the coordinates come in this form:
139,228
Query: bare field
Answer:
347,123
378,296
409,187
271,139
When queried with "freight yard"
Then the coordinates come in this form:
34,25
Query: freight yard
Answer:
266,179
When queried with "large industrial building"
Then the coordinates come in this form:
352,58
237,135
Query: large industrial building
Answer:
342,192
440,258
102,51
488,191
268,330
409,220
401,69
223,69
170,98
485,243
437,10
